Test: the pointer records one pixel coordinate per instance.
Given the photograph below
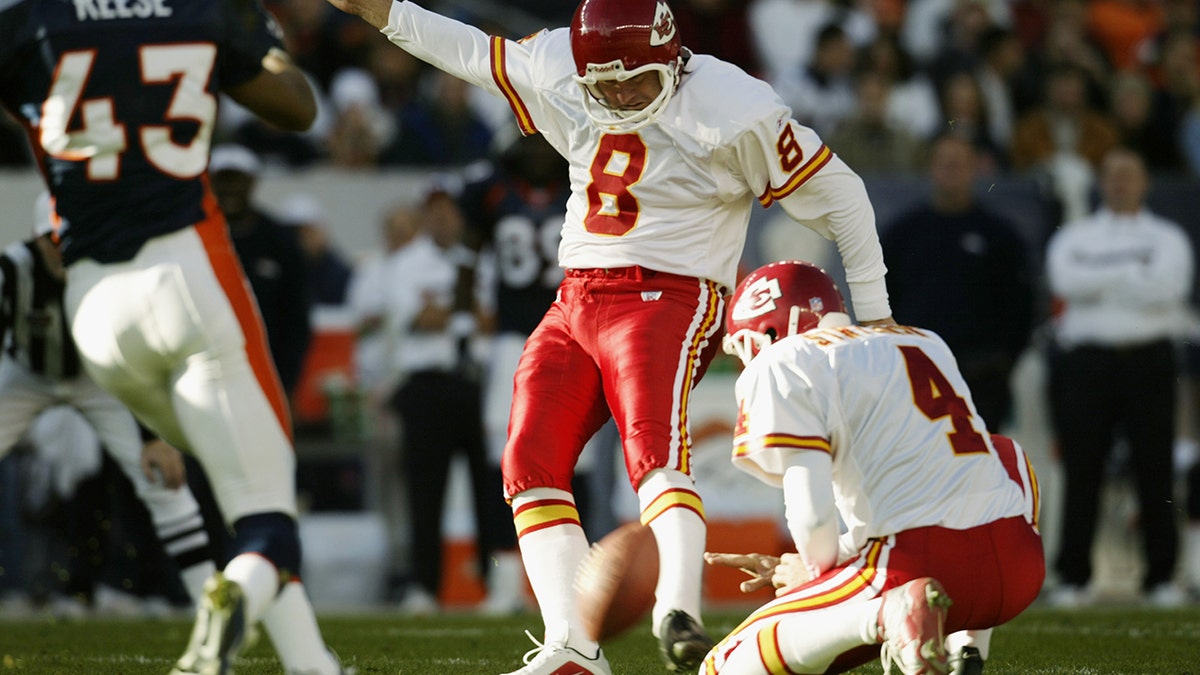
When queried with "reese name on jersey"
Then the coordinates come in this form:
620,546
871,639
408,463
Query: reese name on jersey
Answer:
121,9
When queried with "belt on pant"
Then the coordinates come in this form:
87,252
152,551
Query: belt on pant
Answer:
635,272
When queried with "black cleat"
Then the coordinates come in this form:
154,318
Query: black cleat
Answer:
683,641
968,662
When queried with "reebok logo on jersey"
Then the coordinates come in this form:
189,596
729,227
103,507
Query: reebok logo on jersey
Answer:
757,299
663,29
651,296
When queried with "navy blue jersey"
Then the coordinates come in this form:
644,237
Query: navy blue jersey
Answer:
523,225
119,98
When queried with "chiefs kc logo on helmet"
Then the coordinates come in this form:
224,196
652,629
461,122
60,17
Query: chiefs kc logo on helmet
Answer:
662,30
757,299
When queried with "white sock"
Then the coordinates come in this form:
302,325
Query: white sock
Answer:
979,639
669,504
180,528
259,581
292,626
552,553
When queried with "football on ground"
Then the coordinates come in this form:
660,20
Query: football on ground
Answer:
615,582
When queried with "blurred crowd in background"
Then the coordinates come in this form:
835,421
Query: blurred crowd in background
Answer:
1034,84
955,94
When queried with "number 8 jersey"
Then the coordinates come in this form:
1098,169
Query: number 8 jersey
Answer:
890,407
675,196
124,95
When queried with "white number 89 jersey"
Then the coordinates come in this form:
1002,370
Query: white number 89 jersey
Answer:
890,407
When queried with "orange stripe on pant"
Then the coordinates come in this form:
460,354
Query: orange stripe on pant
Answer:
223,258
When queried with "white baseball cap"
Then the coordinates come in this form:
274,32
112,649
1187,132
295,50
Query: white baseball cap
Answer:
234,157
301,208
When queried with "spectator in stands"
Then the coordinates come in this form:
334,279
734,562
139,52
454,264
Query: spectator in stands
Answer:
439,128
1121,26
965,29
1123,276
912,101
933,28
966,115
328,273
1133,111
869,141
821,94
979,297
1179,16
366,297
720,28
361,127
1066,42
1003,56
785,31
438,397
270,257
320,41
1179,83
396,73
1065,124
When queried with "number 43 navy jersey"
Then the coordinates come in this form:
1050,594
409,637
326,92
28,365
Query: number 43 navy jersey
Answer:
119,98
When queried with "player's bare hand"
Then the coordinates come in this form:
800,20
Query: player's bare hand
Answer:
790,573
163,463
760,567
374,12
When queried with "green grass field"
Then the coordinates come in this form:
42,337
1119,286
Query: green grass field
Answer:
1118,640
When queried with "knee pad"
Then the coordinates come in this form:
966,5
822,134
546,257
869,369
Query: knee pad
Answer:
274,536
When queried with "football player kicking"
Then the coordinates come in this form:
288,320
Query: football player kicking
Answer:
871,429
120,100
668,153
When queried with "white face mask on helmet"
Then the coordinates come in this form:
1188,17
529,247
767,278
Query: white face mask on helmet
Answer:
779,300
618,40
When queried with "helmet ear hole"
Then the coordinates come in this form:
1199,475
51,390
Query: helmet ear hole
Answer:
770,332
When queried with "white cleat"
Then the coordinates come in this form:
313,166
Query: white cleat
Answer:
556,658
912,622
219,631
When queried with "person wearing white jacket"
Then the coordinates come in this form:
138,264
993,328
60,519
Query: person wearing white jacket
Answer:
1123,277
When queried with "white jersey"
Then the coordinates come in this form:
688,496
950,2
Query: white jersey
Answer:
890,407
676,195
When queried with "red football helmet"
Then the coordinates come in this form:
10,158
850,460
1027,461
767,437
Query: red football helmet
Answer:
620,39
779,300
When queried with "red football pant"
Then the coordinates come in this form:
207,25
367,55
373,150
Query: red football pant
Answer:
628,340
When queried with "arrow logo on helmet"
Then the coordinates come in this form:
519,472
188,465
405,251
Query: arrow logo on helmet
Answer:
662,30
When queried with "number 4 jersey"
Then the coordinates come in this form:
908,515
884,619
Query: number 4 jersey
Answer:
119,100
890,407
676,195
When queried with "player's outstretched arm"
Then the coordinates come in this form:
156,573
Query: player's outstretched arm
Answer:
374,12
280,94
